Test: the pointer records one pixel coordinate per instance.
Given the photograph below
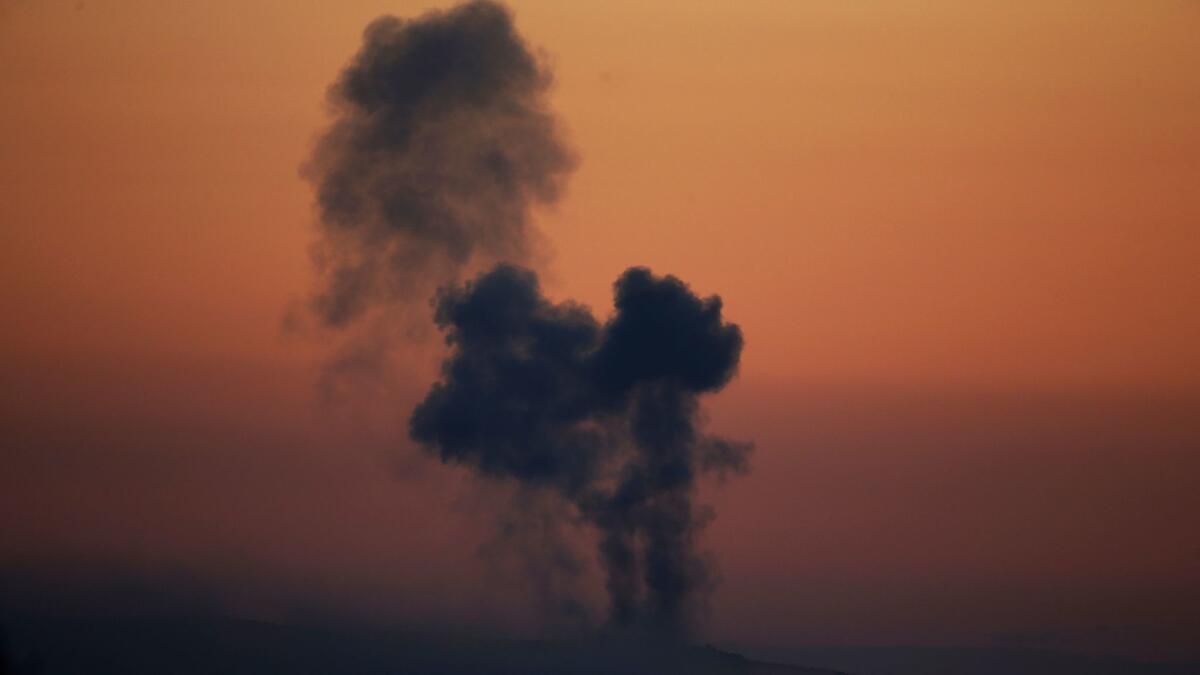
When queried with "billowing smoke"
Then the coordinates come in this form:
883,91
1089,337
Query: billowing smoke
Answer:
440,145
603,415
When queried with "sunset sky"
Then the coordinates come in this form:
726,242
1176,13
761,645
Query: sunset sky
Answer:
961,240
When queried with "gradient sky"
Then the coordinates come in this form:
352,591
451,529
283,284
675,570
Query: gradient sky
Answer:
961,239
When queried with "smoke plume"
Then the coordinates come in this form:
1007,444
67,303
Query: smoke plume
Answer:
441,143
603,415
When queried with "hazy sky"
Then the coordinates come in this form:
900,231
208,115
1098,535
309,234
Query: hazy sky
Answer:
961,240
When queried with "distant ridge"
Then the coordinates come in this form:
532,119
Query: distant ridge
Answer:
144,644
908,660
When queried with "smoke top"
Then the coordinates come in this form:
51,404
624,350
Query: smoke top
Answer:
441,144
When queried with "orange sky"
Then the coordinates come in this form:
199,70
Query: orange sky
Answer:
893,198
933,191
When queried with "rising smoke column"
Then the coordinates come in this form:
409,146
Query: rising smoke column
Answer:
441,143
603,415
440,146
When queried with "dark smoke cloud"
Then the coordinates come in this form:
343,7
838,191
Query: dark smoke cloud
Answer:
440,145
603,415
